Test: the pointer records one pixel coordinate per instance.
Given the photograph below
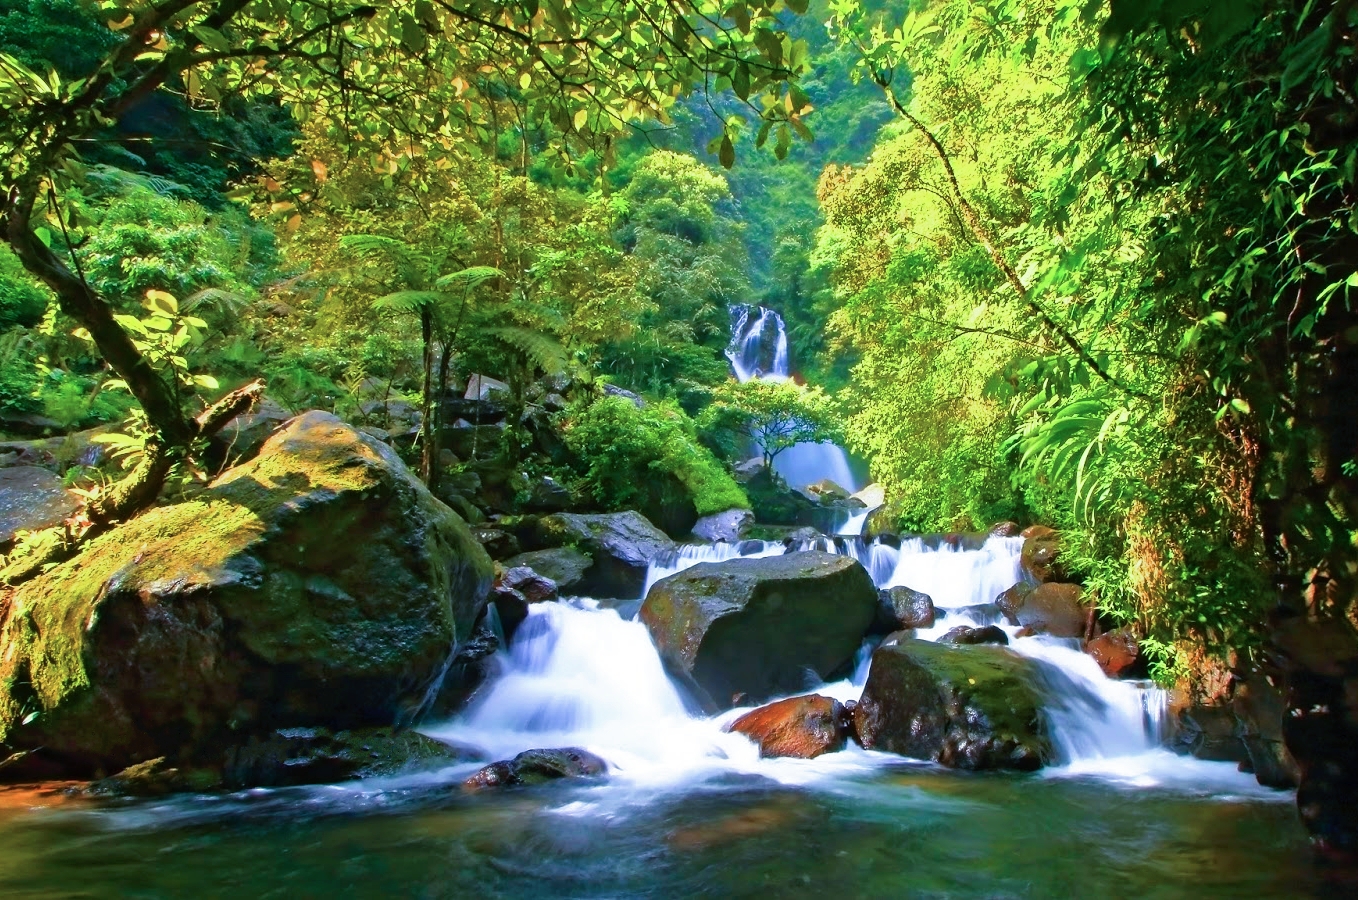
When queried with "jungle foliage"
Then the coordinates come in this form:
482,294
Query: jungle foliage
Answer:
1100,274
1068,261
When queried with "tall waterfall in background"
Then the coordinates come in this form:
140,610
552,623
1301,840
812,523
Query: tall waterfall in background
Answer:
758,349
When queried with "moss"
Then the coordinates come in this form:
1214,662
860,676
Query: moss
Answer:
44,634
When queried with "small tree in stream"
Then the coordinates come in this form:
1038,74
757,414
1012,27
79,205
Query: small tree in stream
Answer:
775,415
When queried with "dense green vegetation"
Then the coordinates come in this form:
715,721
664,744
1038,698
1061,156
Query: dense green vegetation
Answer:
1080,263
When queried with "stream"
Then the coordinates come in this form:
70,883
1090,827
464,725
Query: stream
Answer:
690,810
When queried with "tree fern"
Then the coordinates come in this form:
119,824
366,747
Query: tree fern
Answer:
543,351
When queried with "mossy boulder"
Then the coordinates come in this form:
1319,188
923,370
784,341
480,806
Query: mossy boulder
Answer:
533,767
756,628
622,545
968,707
319,584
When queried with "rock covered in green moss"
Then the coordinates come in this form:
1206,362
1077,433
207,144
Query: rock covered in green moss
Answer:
969,707
537,767
319,584
756,627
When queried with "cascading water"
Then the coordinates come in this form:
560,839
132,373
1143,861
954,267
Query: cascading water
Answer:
800,464
581,676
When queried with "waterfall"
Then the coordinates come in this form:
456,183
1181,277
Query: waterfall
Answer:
800,464
578,675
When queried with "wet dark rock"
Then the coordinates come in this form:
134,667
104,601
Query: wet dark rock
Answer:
319,584
966,707
1054,609
723,526
1260,706
292,756
472,442
620,544
1041,554
1320,727
31,499
155,778
564,565
482,412
498,544
749,547
244,436
1116,652
803,537
980,613
1210,733
900,608
546,494
965,635
1004,529
799,727
537,767
514,590
471,669
757,626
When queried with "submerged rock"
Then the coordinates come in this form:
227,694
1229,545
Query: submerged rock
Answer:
964,635
799,727
966,707
621,544
724,526
759,626
537,767
318,756
900,608
31,499
319,584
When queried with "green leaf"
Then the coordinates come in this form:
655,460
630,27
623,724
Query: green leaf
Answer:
727,153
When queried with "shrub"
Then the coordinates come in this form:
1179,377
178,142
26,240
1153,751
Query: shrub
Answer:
624,448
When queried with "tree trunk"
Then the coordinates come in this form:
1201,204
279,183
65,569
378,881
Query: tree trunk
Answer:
427,460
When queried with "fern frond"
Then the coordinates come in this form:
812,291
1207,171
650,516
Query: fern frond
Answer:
543,351
467,279
225,302
409,301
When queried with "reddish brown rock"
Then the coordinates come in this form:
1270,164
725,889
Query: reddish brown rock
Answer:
1115,652
1054,609
799,727
1041,553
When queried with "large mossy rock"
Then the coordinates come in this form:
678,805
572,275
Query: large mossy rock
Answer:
318,585
758,627
969,707
622,545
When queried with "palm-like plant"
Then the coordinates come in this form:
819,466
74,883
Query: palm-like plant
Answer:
440,301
